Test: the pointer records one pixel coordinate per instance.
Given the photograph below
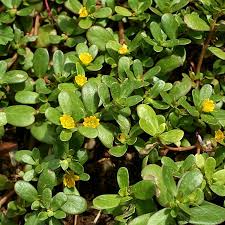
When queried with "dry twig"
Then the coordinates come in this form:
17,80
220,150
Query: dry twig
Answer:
6,197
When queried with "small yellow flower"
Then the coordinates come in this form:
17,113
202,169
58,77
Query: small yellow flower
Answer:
91,121
81,80
123,49
69,179
122,138
67,122
219,136
208,105
83,12
86,58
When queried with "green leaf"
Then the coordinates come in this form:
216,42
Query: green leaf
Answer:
90,96
207,214
106,201
65,135
74,205
99,36
85,23
123,11
205,92
143,190
148,119
14,77
140,220
58,62
46,197
152,72
58,201
105,135
47,179
26,191
139,6
3,119
167,174
103,92
157,32
53,115
162,217
169,63
88,132
118,151
181,88
189,182
40,62
73,5
6,34
217,52
194,22
103,12
123,177
20,115
133,100
172,136
188,107
170,25
27,97
209,168
71,104
44,132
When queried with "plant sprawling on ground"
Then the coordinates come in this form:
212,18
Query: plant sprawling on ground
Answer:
136,76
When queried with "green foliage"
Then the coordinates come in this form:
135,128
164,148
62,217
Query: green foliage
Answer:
142,76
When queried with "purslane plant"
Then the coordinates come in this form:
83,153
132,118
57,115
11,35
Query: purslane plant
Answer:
137,75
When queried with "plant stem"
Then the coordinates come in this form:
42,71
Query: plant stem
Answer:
48,8
121,33
36,25
205,46
6,197
180,149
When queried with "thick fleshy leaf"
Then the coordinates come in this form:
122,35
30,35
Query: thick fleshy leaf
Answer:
118,151
27,97
161,217
90,96
106,201
74,205
105,134
148,119
194,22
172,136
207,214
26,191
40,62
71,104
14,77
217,52
123,177
20,115
44,132
99,36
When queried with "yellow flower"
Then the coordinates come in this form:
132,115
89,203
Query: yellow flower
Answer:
91,121
208,105
122,138
81,80
86,58
83,12
219,136
69,179
67,121
123,49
